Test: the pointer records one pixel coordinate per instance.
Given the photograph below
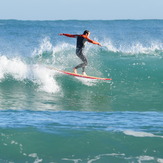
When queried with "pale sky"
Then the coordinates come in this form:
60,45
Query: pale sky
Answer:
81,9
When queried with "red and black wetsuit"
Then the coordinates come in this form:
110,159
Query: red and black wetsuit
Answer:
79,52
81,40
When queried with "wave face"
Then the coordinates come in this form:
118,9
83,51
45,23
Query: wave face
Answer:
47,116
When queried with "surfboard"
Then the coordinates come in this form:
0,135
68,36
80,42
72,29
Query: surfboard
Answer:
79,75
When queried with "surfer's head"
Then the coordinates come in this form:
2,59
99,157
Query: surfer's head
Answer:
86,32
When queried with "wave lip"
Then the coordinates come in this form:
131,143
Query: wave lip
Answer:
153,48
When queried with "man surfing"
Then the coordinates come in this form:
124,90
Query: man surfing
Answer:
81,40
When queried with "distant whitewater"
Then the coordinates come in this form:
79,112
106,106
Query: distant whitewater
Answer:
47,116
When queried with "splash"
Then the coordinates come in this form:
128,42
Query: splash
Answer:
44,46
55,55
135,48
21,71
14,67
88,82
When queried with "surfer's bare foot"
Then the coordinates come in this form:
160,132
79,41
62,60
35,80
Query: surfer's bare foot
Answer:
84,74
75,70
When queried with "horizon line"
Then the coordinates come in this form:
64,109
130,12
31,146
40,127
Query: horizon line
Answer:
78,19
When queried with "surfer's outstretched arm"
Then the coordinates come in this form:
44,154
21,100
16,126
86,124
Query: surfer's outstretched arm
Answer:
68,35
85,36
92,41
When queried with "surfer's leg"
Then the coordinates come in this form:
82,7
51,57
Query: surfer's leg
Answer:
82,65
79,53
83,58
75,70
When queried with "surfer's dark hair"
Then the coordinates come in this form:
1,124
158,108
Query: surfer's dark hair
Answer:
86,32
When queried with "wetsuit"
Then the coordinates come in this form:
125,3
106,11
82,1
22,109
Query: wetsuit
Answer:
81,40
79,52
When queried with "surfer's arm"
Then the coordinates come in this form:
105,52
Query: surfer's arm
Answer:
91,41
68,35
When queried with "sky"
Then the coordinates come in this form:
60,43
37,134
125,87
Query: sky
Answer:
81,9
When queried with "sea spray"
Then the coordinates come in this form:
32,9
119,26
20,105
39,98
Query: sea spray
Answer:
20,71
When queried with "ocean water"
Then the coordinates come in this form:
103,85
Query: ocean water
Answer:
49,117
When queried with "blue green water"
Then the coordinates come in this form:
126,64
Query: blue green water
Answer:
50,117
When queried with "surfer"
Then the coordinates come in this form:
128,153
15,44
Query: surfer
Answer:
81,40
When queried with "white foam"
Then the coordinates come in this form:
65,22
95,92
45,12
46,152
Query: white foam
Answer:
149,158
140,134
55,55
109,46
145,158
14,142
36,73
44,46
14,67
98,157
73,160
34,155
61,47
135,48
88,82
160,160
45,78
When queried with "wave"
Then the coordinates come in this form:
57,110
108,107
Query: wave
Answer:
153,48
18,70
137,48
38,75
107,130
62,56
